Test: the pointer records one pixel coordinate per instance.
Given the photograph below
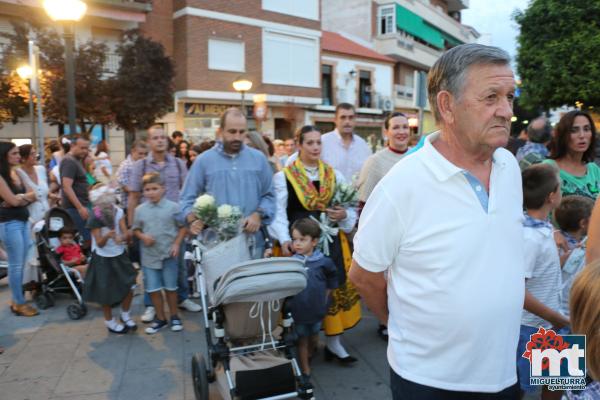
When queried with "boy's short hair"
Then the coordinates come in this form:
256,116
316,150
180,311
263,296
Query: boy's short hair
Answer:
307,227
539,181
571,211
65,231
152,177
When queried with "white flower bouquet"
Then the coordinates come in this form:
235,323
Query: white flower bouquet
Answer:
345,195
228,221
205,208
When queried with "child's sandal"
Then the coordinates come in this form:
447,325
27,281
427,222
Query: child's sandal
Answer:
129,324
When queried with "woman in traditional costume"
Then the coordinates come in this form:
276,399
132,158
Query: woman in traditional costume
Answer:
304,189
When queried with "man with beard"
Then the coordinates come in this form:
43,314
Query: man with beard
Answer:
342,148
233,174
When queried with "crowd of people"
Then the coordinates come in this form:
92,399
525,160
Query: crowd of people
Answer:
445,246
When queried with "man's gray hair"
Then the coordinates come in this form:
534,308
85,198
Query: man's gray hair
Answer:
450,70
539,130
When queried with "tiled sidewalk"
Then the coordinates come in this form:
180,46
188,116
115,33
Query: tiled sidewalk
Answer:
52,357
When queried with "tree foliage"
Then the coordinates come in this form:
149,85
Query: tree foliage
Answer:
143,87
140,92
558,59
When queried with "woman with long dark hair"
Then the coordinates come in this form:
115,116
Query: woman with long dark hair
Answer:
573,152
183,151
14,230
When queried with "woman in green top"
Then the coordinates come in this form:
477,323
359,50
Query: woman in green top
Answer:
573,151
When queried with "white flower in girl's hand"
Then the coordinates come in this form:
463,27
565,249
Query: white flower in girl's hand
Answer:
206,200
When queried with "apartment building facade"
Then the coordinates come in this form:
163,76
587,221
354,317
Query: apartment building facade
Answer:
412,32
355,74
273,43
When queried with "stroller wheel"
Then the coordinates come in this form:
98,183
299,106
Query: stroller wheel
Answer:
199,374
76,311
44,300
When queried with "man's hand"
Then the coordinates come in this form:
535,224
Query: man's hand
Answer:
83,213
252,223
148,240
196,227
268,253
286,249
174,250
336,213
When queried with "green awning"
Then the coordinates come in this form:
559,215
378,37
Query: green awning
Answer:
413,24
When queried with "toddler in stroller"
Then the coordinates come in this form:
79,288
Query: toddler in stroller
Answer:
249,354
70,251
57,276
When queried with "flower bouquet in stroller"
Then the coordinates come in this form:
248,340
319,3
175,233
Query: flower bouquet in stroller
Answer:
250,340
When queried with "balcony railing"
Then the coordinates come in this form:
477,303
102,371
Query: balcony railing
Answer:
404,91
112,63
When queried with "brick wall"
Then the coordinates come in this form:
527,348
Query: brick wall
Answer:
248,8
191,57
159,24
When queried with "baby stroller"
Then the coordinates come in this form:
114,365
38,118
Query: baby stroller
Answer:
57,277
248,354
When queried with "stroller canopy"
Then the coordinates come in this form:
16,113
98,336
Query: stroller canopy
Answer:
261,280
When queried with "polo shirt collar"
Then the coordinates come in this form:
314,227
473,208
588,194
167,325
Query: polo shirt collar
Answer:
439,165
150,157
160,203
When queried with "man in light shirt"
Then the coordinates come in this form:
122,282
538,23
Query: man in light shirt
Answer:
446,225
344,150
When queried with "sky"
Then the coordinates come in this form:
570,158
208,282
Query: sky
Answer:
493,17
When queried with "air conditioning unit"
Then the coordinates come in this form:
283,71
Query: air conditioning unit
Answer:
386,103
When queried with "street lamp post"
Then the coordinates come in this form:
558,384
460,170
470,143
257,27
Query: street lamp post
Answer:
25,72
69,11
242,85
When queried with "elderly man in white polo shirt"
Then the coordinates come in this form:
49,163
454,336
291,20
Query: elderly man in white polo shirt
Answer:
445,223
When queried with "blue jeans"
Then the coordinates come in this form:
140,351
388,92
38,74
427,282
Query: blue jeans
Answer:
403,389
182,282
165,278
79,223
15,236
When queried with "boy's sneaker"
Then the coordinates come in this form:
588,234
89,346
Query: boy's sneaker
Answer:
155,326
149,315
176,325
189,305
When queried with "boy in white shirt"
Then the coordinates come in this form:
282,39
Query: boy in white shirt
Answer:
541,195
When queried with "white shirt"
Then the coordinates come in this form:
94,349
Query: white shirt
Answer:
280,227
542,271
111,248
348,160
456,280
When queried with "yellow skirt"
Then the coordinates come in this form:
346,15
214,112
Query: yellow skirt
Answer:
344,312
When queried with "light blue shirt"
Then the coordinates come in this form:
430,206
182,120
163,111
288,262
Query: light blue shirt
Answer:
244,180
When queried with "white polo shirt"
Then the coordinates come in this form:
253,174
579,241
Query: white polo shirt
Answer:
456,279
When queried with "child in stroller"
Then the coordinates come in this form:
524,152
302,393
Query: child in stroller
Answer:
56,276
70,251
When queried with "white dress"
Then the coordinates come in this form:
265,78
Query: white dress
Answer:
102,161
37,211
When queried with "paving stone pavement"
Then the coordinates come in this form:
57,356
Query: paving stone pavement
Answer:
50,357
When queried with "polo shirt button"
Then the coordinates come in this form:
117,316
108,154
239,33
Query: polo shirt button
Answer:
478,188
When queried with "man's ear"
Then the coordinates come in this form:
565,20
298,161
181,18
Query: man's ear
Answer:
445,104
